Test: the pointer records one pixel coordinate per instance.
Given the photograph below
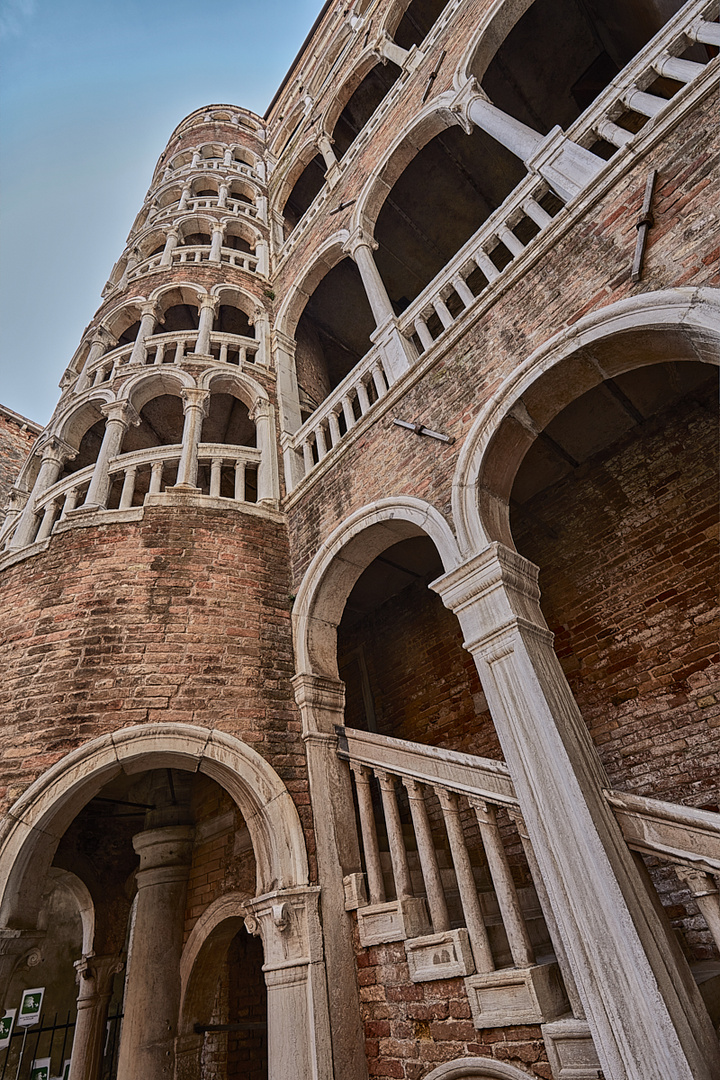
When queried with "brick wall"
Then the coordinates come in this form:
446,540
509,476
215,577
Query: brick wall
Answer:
17,436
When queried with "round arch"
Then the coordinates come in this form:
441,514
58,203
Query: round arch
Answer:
123,315
34,825
672,324
495,25
297,165
435,117
477,1069
72,424
235,383
142,388
237,296
329,255
342,558
362,67
202,956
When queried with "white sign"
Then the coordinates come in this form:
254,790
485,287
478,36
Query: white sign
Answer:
40,1069
30,1007
6,1026
65,1074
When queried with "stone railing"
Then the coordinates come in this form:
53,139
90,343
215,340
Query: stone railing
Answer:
453,900
341,409
180,256
150,471
206,202
212,165
662,56
175,348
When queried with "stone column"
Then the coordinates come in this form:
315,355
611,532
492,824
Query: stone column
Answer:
567,167
148,318
152,996
267,484
283,348
397,351
171,242
120,415
208,305
646,1016
262,252
195,406
218,232
261,324
325,146
228,157
386,49
321,702
223,190
95,981
101,340
184,197
55,453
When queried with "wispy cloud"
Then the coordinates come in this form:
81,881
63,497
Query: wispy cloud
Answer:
14,15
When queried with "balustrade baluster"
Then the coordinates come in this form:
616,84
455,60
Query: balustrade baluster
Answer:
48,520
363,398
645,104
240,481
672,67
180,350
156,473
704,889
466,882
160,352
335,435
536,213
428,858
423,333
308,458
613,133
510,240
348,412
707,32
443,312
242,356
98,377
485,263
215,477
70,502
463,290
223,352
396,843
378,376
501,874
128,488
368,833
320,442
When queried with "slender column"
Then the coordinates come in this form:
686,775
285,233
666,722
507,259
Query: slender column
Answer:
613,133
645,104
295,466
428,858
360,248
262,253
705,893
228,157
152,997
566,166
396,843
98,346
466,881
387,49
48,520
320,442
171,242
120,414
262,416
240,481
261,325
128,488
363,397
707,32
463,289
195,406
378,378
536,213
646,1015
485,263
218,232
208,305
376,885
423,333
148,319
156,474
510,240
505,891
348,413
54,455
325,146
184,197
334,429
443,312
223,190
95,981
195,159
215,476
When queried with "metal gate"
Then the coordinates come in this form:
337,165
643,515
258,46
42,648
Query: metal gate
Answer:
53,1039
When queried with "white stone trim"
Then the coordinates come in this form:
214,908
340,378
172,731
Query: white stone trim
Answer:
477,1069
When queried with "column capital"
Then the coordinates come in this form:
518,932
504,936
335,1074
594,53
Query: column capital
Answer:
460,105
95,974
260,410
208,301
319,691
360,238
218,226
149,307
195,398
102,336
120,412
56,450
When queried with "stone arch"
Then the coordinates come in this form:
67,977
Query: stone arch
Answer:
123,316
34,825
72,884
152,241
340,561
435,117
141,389
204,180
202,955
283,136
242,226
73,423
329,255
296,167
362,67
673,324
495,25
193,223
477,1069
235,383
239,297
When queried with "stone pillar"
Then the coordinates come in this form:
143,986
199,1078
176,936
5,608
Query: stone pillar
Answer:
567,167
208,305
195,406
261,323
386,49
228,157
152,996
218,232
321,702
101,340
646,1016
55,453
325,146
184,197
262,252
95,980
148,318
171,242
267,483
223,190
120,414
397,351
289,402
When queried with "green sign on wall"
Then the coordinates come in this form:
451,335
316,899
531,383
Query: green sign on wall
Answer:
40,1069
30,1006
6,1026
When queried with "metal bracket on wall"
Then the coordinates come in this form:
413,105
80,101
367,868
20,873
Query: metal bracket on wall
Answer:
642,225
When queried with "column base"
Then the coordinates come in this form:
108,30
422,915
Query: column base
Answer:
440,956
516,996
567,167
184,489
395,920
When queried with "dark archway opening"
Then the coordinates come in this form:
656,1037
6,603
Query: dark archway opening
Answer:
333,334
179,317
88,450
418,21
129,335
307,185
441,199
362,105
232,320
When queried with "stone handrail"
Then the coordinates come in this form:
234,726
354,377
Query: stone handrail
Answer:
342,408
173,348
243,260
677,833
206,202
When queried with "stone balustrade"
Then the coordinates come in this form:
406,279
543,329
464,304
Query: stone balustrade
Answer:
367,383
180,256
175,348
206,202
216,165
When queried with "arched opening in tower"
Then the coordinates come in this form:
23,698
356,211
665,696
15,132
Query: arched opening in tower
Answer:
362,104
304,190
418,20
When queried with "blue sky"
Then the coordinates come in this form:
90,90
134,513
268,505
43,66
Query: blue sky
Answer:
90,91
